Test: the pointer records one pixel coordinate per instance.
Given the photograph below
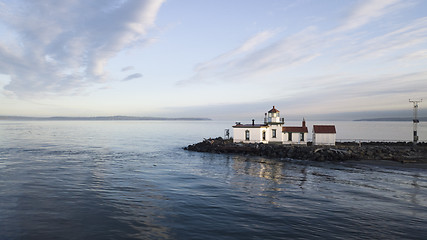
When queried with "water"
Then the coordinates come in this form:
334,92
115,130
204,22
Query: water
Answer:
132,180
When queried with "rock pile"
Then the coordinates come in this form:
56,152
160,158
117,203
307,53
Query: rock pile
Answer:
403,152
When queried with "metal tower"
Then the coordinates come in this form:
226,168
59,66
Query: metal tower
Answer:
227,133
415,120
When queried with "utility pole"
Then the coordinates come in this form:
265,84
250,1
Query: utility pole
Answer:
415,120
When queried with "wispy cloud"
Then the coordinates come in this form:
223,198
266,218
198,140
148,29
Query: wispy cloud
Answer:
367,11
328,94
404,37
63,46
350,92
127,68
258,55
272,51
249,45
132,76
420,54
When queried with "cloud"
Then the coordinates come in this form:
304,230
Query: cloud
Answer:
357,92
420,54
132,76
271,51
127,68
247,46
404,37
327,95
52,47
258,56
366,12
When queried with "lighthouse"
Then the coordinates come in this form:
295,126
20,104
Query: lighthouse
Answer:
269,132
273,117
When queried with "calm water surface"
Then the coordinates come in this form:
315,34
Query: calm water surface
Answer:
132,180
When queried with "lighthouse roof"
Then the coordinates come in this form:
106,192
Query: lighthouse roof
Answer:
273,110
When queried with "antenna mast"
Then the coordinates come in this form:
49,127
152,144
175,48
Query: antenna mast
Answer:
415,120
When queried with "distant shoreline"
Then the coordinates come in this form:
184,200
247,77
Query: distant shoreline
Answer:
391,119
106,118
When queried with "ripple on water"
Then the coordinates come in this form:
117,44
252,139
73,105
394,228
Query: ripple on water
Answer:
95,181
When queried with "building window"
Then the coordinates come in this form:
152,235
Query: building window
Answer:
302,137
247,135
273,133
290,136
263,135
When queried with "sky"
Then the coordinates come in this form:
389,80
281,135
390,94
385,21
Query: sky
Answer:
219,59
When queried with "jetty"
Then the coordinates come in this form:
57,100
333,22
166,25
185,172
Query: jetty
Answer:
404,152
275,139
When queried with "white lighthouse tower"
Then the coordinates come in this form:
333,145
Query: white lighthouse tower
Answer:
273,123
273,117
269,132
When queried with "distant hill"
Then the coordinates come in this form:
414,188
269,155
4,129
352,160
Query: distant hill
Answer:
396,119
107,118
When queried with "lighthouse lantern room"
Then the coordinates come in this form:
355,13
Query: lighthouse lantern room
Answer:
273,117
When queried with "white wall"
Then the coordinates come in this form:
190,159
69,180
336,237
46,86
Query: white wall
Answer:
279,134
255,134
324,138
296,138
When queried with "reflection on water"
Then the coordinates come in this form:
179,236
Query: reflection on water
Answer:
108,181
137,203
339,182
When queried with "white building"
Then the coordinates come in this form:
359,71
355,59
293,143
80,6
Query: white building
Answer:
295,135
324,135
272,131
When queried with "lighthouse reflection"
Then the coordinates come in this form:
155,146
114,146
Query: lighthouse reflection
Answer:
277,173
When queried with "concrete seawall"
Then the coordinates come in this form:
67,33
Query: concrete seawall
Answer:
400,151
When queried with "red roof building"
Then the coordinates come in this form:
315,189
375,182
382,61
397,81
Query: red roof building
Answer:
302,129
295,135
324,134
295,129
324,129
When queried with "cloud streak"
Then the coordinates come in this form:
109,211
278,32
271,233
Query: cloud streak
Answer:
404,37
132,76
127,68
270,51
52,47
367,11
337,93
258,55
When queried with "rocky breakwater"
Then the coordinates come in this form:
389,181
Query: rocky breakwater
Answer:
400,151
